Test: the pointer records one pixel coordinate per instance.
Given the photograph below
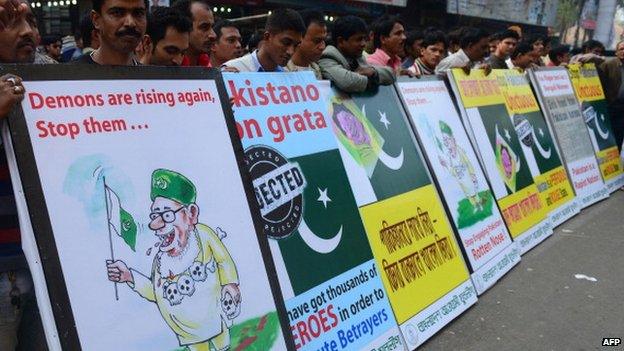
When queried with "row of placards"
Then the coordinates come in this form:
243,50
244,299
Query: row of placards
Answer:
297,217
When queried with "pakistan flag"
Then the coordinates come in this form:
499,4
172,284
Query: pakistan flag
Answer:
597,118
510,160
399,166
543,145
330,238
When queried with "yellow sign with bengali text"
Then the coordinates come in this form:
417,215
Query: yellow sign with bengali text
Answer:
415,249
516,91
522,210
555,188
588,89
477,89
610,163
586,82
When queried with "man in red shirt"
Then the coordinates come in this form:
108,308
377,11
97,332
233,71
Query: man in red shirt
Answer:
203,36
389,40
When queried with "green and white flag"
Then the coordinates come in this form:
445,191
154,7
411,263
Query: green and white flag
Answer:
120,221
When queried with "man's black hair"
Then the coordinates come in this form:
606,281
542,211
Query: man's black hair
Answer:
50,39
382,27
223,23
471,36
348,26
522,48
184,6
557,51
533,38
97,5
508,33
592,44
283,19
455,35
433,37
254,40
161,18
413,36
312,16
86,30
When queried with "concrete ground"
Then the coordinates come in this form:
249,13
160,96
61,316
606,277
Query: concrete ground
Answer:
540,305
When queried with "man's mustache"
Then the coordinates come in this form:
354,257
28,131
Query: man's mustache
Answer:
26,41
129,32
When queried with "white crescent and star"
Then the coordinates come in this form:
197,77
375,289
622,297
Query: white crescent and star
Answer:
393,162
603,134
383,118
317,243
311,239
545,153
323,197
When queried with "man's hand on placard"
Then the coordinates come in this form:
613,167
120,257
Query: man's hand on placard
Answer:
407,72
365,71
11,93
466,69
229,69
487,69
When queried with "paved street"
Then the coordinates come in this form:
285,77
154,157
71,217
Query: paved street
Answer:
540,305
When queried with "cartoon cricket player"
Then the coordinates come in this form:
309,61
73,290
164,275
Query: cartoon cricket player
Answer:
194,281
454,159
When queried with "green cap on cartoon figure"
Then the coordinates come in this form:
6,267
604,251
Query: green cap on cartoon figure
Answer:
445,128
172,185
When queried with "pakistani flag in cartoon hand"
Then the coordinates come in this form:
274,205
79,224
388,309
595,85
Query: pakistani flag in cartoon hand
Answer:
400,165
120,221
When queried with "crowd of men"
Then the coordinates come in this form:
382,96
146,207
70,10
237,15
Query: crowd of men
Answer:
354,56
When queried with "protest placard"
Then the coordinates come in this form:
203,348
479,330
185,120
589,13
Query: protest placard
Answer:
138,206
331,285
483,109
414,245
597,118
538,146
556,97
482,232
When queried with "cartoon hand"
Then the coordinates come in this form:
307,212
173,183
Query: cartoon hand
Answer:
118,272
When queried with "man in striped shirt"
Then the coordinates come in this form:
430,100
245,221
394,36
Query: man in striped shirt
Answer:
432,51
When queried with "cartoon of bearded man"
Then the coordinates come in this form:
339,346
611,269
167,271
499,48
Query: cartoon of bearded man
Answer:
455,160
193,281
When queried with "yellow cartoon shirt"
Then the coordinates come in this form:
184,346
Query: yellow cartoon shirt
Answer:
190,303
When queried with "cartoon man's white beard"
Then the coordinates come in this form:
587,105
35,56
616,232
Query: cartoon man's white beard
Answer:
180,263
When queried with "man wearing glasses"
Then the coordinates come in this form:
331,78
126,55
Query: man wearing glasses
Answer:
194,281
